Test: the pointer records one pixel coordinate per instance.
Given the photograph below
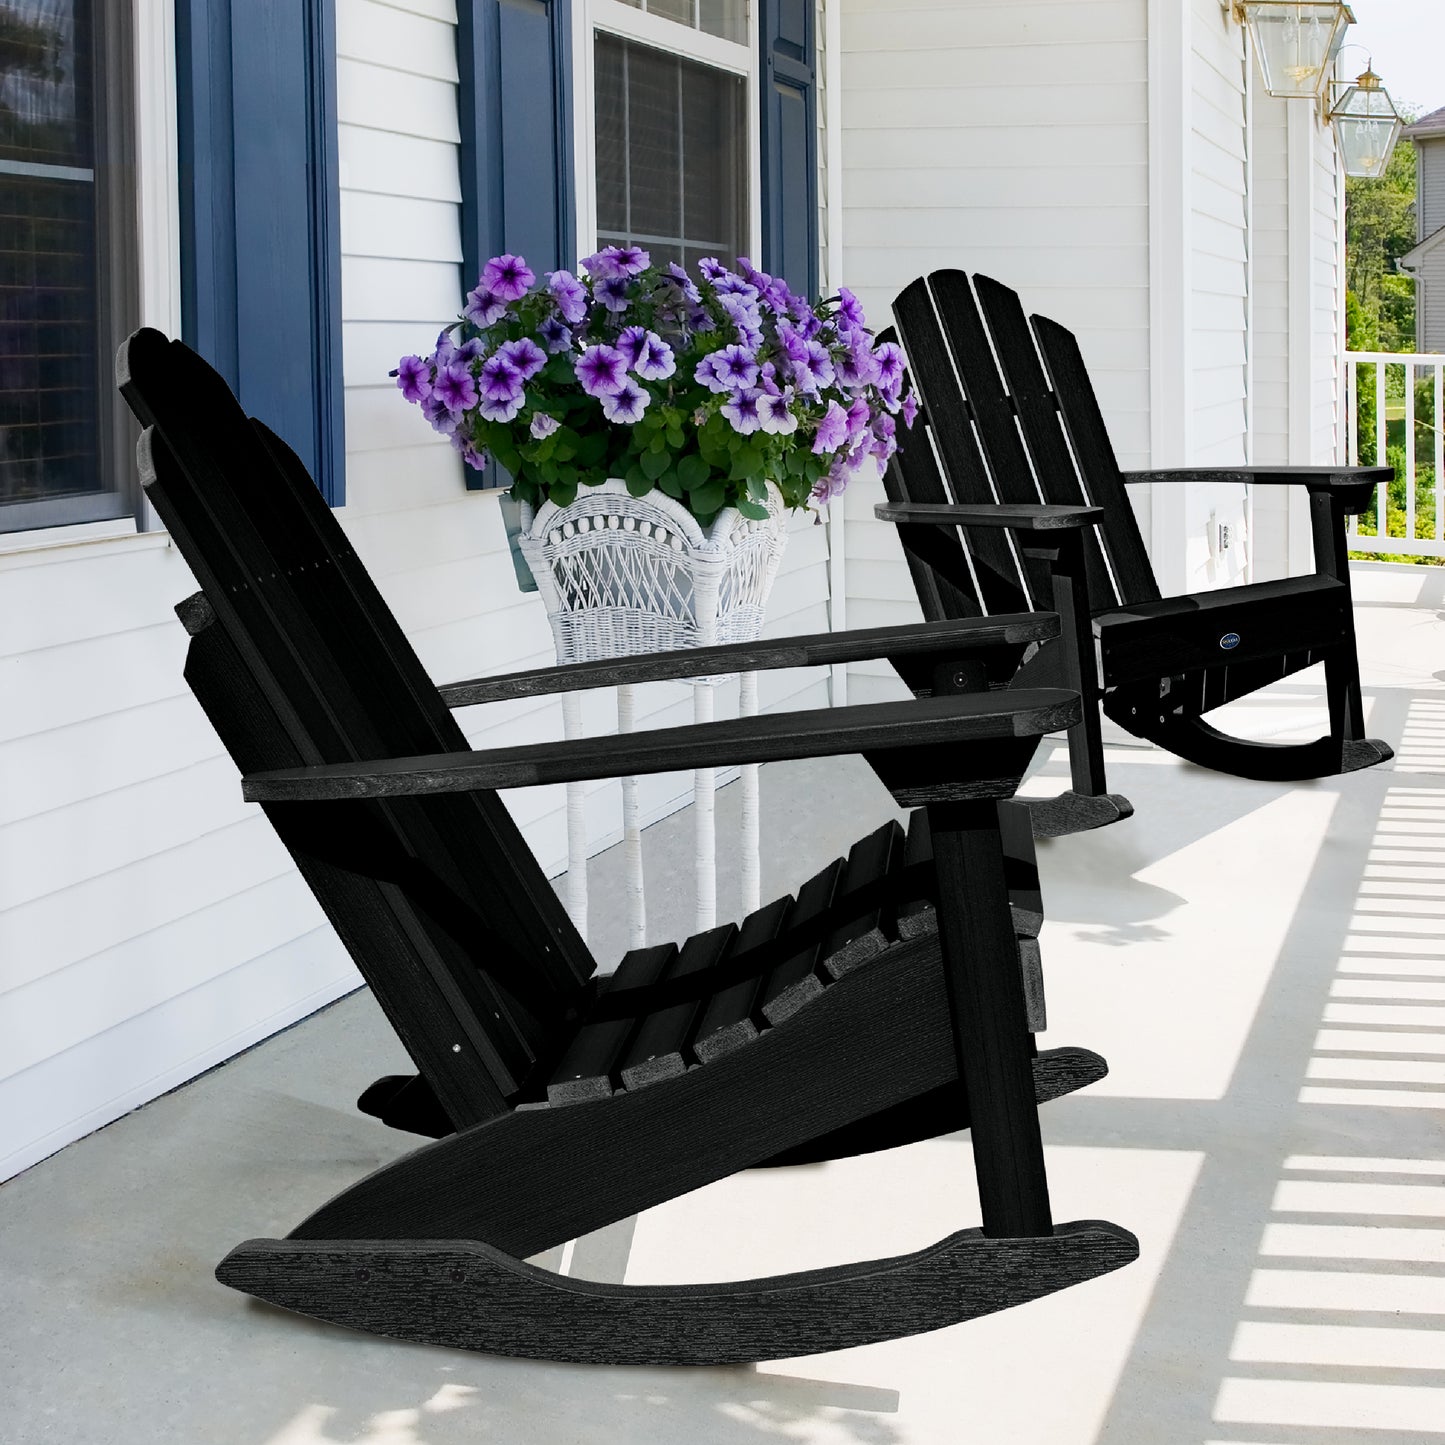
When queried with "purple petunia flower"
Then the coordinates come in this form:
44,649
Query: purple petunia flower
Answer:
885,441
508,277
525,355
569,294
814,370
850,311
500,408
544,425
434,409
555,333
832,482
446,348
745,318
832,430
857,366
500,380
455,387
730,285
602,370
700,320
614,261
655,360
731,369
710,268
890,365
631,342
910,409
614,292
742,412
484,307
684,282
626,404
860,417
471,350
775,413
470,455
413,376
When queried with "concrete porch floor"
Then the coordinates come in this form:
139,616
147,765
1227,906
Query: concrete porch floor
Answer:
1264,969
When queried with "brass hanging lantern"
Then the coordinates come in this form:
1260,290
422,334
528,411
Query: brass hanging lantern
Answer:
1296,42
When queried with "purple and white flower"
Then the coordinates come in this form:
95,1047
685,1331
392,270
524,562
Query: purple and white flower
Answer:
484,307
435,410
455,387
569,294
525,355
500,408
832,431
626,404
885,434
656,362
742,412
555,333
684,283
499,380
775,413
910,409
508,277
602,370
734,368
711,269
614,261
857,366
413,377
543,425
890,366
614,292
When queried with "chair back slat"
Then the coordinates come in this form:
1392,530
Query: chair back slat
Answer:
1099,467
1038,419
1002,584
321,646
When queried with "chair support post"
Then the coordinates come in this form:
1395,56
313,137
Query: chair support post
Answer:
1342,671
987,1009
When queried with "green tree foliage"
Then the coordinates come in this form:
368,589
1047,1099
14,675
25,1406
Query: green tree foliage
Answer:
1379,229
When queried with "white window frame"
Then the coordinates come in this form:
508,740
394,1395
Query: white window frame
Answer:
158,237
674,38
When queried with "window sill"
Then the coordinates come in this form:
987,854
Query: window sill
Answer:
116,535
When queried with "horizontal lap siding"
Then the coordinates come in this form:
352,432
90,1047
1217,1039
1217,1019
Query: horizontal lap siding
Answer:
1218,278
1269,213
1325,292
1008,139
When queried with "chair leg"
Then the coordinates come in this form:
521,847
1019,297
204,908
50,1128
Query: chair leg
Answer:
987,1010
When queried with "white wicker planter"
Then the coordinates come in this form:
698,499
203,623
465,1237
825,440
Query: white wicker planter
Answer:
621,575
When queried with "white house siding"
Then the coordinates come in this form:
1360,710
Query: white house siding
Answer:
1218,263
1008,139
1269,318
150,923
1326,301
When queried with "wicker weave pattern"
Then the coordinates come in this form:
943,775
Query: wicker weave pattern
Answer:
622,575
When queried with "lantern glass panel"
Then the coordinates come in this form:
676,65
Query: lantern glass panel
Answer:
1295,41
1367,126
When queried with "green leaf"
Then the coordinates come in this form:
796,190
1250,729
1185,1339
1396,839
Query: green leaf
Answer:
757,489
675,438
693,471
670,484
708,499
638,484
656,462
591,448
797,460
747,462
563,494
754,510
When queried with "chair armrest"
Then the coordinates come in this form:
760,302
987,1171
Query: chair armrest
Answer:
1017,518
956,638
936,723
1349,489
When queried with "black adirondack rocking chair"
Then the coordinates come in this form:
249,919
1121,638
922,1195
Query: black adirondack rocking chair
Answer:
872,1009
1007,495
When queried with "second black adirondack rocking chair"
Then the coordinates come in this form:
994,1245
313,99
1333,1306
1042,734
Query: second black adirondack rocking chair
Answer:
1007,495
884,1003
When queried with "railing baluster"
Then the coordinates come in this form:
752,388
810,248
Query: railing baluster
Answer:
1410,451
1352,426
1439,449
1382,494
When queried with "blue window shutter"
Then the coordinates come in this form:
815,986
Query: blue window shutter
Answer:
514,58
260,214
788,30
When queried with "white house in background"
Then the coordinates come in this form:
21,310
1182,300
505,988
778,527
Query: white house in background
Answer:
305,188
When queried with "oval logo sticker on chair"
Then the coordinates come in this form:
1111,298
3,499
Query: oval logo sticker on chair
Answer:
1229,641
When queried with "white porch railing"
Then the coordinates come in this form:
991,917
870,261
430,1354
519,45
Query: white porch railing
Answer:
1407,389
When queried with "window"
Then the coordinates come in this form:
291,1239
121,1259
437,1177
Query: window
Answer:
673,134
68,283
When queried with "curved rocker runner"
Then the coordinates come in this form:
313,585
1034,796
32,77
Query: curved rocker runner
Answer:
889,1000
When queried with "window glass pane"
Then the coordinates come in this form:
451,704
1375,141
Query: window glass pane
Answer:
671,153
50,322
727,19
